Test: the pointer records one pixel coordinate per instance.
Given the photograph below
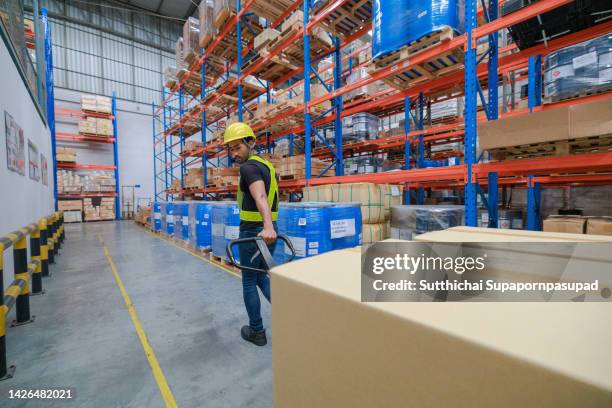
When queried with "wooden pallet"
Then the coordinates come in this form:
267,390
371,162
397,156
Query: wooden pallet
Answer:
593,144
444,64
271,10
349,18
222,261
585,93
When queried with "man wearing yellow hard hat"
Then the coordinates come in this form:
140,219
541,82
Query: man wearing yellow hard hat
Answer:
258,202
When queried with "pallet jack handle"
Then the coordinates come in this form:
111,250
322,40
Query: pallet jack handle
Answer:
263,250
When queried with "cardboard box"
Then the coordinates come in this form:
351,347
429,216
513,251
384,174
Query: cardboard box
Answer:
73,216
373,233
599,225
70,205
563,223
566,122
345,353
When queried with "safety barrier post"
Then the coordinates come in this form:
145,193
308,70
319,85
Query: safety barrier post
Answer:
44,246
50,240
62,231
36,265
20,261
55,234
5,372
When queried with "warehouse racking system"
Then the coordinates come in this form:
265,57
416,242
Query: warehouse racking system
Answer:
181,107
56,114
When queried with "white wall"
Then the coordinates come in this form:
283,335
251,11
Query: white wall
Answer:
135,142
22,200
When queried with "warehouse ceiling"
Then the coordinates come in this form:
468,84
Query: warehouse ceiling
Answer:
171,8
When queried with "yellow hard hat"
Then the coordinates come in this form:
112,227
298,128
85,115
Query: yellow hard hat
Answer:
237,131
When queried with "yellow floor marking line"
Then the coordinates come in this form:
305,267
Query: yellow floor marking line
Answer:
164,388
195,255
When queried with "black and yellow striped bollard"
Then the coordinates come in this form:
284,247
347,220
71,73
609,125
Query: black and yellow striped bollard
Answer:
20,261
44,246
36,265
50,240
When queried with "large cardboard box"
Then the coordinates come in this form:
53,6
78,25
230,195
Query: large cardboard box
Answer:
563,223
599,225
70,205
341,352
567,122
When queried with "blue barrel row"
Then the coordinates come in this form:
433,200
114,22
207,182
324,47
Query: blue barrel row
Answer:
314,228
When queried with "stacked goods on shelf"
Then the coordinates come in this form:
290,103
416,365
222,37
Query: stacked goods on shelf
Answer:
101,208
222,10
507,218
200,225
191,145
143,216
157,216
70,205
286,101
208,31
360,126
68,182
179,55
181,221
364,91
375,201
402,29
170,79
96,126
522,339
410,220
175,185
317,227
562,20
99,182
191,35
73,216
576,224
225,227
224,176
579,69
65,154
96,103
582,128
446,110
167,218
363,165
294,167
194,178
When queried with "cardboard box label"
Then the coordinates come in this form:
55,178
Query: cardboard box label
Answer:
342,228
395,191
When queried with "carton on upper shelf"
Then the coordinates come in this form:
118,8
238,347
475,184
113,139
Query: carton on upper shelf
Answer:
562,123
96,103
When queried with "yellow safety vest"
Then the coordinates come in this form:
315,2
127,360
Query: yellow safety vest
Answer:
272,194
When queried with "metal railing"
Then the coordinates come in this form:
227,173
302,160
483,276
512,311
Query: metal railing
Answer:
46,237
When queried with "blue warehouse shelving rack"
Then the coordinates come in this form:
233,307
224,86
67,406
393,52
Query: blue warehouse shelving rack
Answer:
481,65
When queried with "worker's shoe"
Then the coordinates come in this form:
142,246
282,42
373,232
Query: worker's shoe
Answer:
256,337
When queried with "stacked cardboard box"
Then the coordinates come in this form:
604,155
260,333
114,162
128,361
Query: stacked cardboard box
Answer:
73,216
68,182
99,209
143,216
96,126
195,177
99,182
225,176
294,167
575,224
96,103
70,205
192,145
65,154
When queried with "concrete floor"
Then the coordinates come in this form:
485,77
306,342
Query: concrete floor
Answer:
84,338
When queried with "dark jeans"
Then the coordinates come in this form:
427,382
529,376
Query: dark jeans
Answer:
250,256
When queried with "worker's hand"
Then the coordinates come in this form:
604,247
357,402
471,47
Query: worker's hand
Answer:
268,235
